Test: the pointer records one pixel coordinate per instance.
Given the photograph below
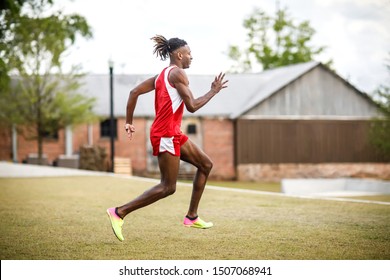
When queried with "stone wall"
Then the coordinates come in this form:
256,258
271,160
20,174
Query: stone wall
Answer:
277,172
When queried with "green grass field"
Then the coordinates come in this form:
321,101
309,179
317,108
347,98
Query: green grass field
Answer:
64,218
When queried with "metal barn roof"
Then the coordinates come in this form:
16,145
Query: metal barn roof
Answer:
244,91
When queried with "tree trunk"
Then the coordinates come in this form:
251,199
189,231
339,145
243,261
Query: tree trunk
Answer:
40,150
39,130
40,143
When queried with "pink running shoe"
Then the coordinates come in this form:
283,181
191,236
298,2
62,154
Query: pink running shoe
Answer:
197,223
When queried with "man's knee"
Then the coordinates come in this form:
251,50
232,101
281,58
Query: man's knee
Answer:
207,166
168,189
171,190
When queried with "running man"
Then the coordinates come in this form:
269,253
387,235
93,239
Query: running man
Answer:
170,145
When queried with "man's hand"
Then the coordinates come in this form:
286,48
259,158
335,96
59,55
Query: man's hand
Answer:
130,129
219,83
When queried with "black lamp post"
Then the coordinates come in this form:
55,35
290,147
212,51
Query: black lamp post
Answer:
112,122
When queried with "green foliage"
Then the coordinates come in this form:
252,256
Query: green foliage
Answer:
380,137
55,105
9,9
34,42
380,127
274,42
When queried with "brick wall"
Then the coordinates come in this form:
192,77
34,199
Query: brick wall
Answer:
52,148
218,143
80,136
5,144
135,148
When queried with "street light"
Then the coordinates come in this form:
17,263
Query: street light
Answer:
112,123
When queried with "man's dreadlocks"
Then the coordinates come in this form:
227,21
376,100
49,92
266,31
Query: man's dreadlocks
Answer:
164,47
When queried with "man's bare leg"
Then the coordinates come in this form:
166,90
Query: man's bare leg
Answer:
169,168
192,154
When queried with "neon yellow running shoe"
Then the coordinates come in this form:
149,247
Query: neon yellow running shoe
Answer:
116,223
197,223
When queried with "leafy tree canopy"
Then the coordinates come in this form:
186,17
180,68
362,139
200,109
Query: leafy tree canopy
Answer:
380,127
34,40
274,41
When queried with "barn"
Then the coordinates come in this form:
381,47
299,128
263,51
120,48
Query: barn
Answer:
295,121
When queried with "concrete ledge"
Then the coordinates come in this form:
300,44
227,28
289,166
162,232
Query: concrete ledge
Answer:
335,187
68,161
33,159
263,172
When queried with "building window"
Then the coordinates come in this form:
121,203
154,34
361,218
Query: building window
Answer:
50,135
50,132
191,129
105,128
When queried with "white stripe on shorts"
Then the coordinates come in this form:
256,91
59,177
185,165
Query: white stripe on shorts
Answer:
166,145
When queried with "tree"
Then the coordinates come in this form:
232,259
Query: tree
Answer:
274,42
9,9
380,127
40,99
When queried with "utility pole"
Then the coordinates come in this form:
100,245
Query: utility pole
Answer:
112,122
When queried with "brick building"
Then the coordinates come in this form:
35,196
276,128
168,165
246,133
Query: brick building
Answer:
239,128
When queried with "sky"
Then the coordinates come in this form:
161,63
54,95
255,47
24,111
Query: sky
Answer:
356,34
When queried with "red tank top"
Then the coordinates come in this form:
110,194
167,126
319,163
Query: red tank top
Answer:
169,107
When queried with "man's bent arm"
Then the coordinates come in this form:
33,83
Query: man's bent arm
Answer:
179,79
144,87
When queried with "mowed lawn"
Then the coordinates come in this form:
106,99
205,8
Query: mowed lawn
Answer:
65,218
